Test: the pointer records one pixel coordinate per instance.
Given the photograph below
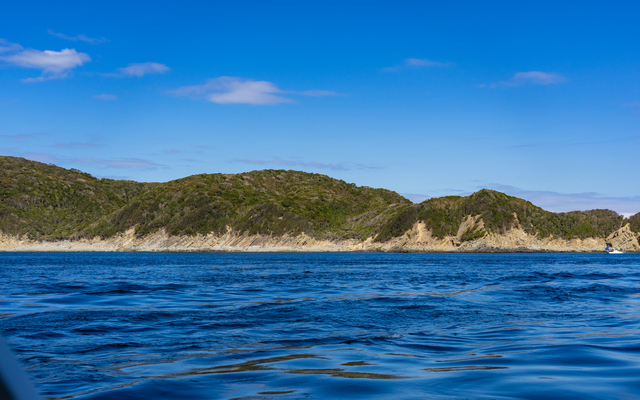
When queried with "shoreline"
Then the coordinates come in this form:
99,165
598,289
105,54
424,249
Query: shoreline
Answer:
416,240
204,251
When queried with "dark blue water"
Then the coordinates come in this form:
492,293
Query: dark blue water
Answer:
289,326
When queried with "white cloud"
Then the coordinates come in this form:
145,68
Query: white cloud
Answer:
82,38
416,63
140,69
232,90
104,96
54,64
8,47
319,93
534,78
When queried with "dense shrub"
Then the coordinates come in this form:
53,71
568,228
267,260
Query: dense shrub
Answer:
273,202
46,202
634,222
501,213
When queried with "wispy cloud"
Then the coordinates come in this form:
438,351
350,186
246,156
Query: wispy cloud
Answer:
529,78
54,64
8,47
139,70
78,145
411,63
523,146
232,90
635,105
120,163
535,78
563,202
317,93
104,96
82,38
22,137
42,157
7,151
6,102
610,141
293,163
298,162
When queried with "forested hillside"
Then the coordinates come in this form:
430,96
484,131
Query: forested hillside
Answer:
46,202
500,213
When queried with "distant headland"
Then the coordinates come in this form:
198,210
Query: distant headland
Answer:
44,207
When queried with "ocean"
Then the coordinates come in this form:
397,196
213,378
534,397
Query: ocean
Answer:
324,325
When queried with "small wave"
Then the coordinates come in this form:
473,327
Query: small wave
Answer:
464,368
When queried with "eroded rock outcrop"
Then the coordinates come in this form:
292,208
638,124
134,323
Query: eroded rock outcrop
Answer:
623,239
417,239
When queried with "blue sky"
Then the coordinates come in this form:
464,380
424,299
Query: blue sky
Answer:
539,99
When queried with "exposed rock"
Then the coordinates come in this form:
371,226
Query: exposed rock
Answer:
470,225
417,239
623,239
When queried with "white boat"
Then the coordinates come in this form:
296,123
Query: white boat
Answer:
613,251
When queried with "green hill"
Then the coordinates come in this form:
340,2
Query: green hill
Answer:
500,213
274,202
46,202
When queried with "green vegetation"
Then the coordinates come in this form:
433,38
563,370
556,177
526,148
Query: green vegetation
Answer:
634,222
275,202
46,202
500,213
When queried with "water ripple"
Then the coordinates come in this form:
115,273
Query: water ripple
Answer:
289,326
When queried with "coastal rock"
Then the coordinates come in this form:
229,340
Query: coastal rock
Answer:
417,239
623,239
470,224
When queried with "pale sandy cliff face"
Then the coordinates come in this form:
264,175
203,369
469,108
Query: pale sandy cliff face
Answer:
417,239
623,239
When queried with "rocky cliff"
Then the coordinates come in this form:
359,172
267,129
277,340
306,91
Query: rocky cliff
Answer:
417,239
